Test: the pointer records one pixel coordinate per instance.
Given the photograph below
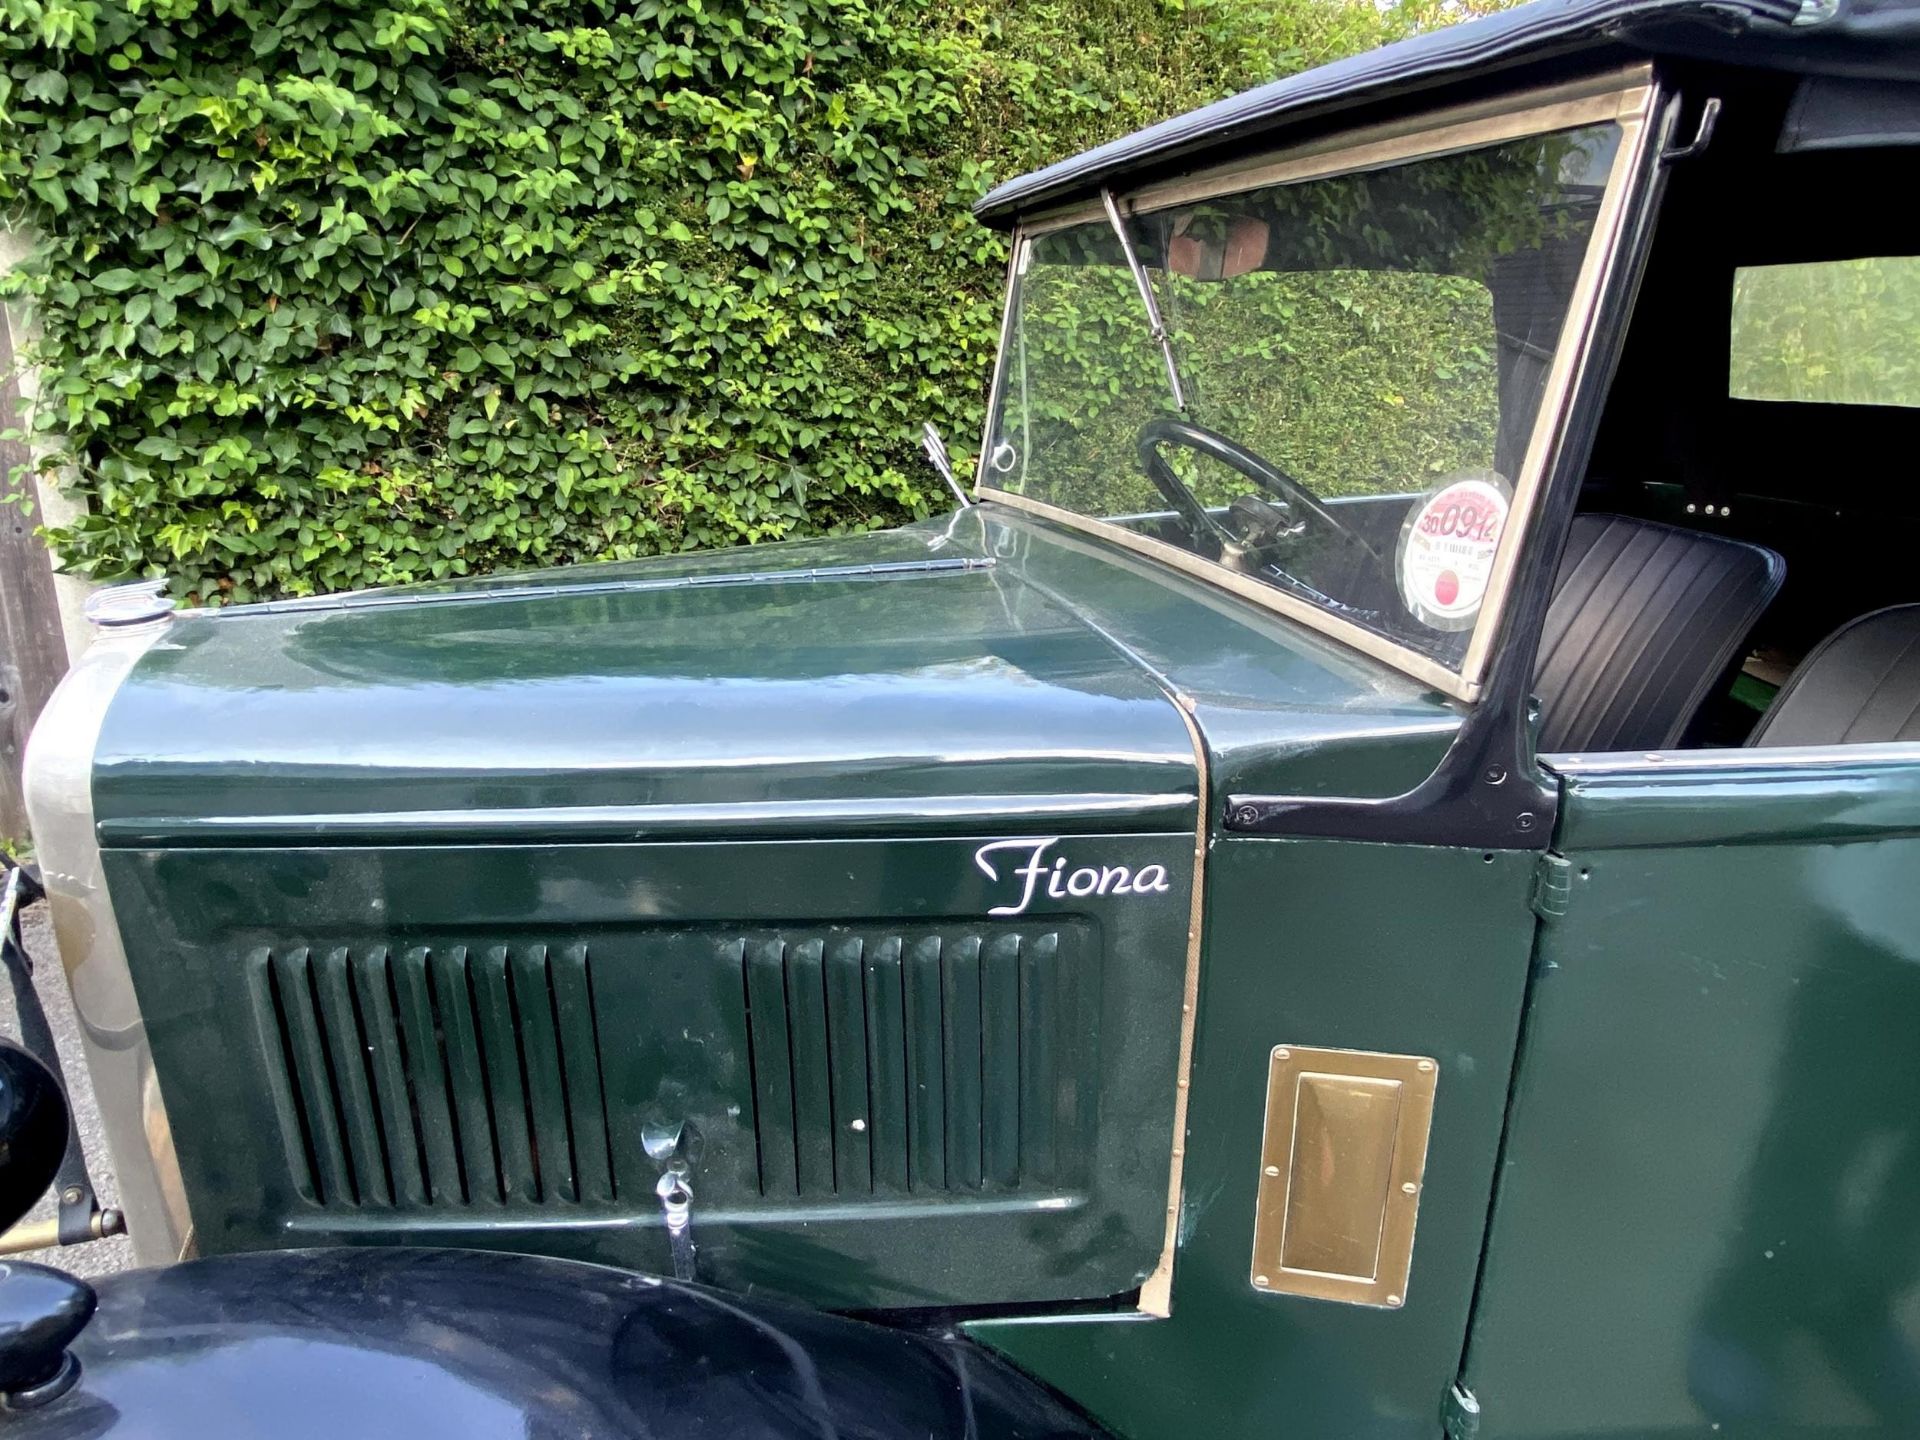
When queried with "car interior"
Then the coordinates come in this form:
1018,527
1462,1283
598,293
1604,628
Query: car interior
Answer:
1741,571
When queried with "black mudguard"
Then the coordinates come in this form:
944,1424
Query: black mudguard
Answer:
421,1344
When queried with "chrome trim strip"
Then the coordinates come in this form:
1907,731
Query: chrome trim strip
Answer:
1762,760
1358,637
113,1032
1156,1291
469,1229
602,823
1625,97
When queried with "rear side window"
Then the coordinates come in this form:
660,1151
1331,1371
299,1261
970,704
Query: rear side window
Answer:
1834,332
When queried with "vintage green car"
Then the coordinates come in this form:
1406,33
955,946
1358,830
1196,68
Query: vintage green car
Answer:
1365,883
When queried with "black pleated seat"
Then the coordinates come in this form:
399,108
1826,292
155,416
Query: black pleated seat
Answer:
1859,686
1646,620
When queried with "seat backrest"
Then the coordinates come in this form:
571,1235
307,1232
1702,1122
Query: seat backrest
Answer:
1646,619
1859,685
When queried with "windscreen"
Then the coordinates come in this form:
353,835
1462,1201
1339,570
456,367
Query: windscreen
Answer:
1328,386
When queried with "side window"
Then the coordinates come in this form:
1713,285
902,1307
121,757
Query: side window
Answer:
1835,332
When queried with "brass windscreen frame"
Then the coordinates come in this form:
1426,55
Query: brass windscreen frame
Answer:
1342,1162
1625,98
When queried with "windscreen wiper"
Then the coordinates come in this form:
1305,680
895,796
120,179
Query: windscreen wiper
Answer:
1155,325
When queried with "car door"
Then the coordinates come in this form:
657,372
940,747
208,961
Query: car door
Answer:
1708,1216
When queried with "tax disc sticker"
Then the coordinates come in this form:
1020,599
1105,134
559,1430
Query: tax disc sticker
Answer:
1446,548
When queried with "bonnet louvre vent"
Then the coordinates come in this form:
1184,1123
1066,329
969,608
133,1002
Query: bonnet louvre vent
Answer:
885,1063
443,1076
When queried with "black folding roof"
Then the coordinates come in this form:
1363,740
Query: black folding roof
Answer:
1864,38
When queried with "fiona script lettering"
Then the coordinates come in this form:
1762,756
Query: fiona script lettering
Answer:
1062,883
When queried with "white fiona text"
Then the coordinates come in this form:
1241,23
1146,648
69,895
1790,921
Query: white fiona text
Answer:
1062,883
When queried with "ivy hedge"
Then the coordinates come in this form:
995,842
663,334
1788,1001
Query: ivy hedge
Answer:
341,294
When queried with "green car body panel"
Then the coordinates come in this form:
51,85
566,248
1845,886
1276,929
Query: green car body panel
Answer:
1422,950
935,900
1041,707
988,662
1713,1164
737,822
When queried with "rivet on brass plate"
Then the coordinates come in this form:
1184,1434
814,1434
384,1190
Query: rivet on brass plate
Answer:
1341,1168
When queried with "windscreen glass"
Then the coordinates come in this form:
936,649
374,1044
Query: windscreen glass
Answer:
1344,380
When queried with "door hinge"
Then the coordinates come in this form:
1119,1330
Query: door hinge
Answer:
1460,1413
1552,885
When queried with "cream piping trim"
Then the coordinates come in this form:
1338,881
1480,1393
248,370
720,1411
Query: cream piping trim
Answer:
1156,1294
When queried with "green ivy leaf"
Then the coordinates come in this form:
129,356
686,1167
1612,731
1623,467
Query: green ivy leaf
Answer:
335,297
47,85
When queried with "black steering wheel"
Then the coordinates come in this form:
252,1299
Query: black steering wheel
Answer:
1299,502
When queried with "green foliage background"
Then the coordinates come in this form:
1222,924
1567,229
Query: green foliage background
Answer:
1354,382
1838,332
338,295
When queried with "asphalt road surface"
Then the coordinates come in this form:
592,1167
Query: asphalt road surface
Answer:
97,1257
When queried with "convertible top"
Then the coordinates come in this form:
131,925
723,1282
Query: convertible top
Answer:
1869,39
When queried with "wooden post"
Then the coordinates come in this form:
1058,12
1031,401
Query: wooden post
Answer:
33,646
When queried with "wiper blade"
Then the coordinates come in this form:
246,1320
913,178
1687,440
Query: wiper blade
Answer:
1155,325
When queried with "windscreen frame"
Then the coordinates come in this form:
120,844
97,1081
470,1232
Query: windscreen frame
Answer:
1621,97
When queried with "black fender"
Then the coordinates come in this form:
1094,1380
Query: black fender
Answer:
419,1344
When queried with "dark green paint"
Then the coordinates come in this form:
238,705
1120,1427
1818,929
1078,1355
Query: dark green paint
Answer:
1282,710
1742,799
1709,1212
907,700
744,918
1377,947
813,1081
449,1046
597,856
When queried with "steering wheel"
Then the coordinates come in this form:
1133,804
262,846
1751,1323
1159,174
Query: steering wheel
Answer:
1298,501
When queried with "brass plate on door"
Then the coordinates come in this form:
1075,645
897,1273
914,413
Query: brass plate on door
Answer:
1341,1167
